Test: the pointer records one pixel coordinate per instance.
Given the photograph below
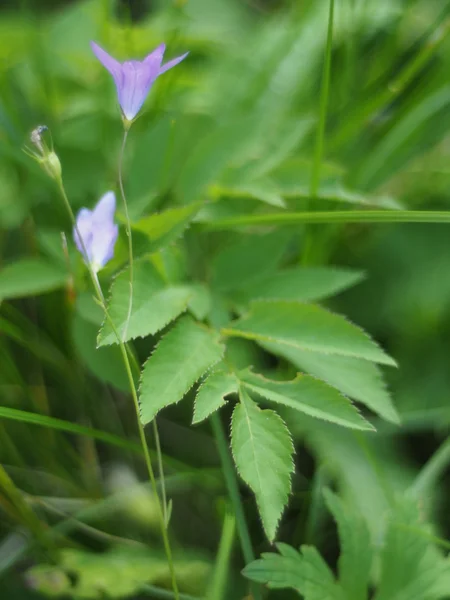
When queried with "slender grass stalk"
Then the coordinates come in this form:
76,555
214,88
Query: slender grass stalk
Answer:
127,126
233,491
218,586
341,216
320,137
432,470
126,360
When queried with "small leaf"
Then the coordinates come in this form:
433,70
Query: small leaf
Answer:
211,394
304,284
160,229
307,327
308,395
153,307
262,450
359,379
180,359
30,277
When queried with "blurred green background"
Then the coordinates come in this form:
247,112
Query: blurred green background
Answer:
234,123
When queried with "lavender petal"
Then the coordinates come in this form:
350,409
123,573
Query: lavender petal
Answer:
172,63
110,63
104,209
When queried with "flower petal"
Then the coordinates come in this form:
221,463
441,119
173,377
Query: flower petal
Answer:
103,243
104,209
84,226
172,63
136,83
110,63
155,57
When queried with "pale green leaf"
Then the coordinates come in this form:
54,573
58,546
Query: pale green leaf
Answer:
305,572
249,258
359,379
356,555
309,395
157,230
262,450
211,394
30,277
184,354
307,327
305,284
153,307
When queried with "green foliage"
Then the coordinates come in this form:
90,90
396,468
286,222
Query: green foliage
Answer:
211,394
259,438
30,277
183,355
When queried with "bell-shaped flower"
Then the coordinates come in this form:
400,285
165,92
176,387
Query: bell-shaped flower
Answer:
98,232
134,78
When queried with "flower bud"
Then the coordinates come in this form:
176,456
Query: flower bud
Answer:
52,165
45,155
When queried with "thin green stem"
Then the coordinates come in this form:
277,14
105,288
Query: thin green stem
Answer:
323,107
156,592
124,353
235,497
130,305
128,228
218,586
343,216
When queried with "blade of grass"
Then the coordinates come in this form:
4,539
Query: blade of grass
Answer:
218,586
432,470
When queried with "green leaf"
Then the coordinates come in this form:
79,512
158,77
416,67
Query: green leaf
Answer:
307,327
359,379
305,572
211,394
262,450
356,555
158,230
249,258
308,395
15,414
154,305
30,277
304,284
180,359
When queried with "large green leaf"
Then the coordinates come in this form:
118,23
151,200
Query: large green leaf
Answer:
184,354
307,327
211,394
355,560
354,377
154,304
308,395
305,284
247,259
262,450
29,277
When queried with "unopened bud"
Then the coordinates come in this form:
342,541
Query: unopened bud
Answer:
45,156
52,165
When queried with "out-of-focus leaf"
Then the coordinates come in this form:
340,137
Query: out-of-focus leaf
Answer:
30,277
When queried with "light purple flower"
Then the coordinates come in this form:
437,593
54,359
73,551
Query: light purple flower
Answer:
98,232
134,78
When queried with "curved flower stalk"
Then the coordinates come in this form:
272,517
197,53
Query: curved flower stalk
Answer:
95,233
134,78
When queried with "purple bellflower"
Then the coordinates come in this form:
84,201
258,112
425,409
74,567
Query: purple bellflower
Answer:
134,78
98,232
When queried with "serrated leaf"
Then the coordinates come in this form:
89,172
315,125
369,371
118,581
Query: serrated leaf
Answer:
160,229
247,259
308,395
211,394
29,277
359,379
304,284
305,572
262,450
183,355
356,554
154,305
307,327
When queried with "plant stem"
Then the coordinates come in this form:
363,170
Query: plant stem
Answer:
341,216
128,227
233,491
218,586
124,353
432,470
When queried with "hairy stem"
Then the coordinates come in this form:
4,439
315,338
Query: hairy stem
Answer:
128,227
126,360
